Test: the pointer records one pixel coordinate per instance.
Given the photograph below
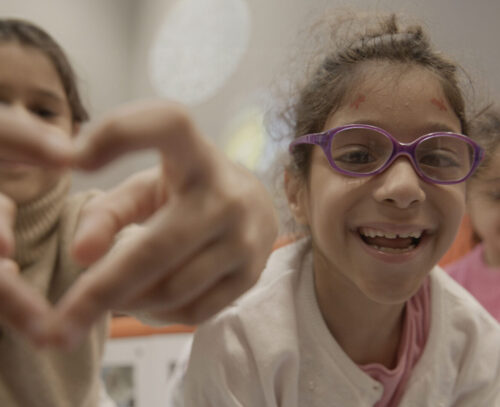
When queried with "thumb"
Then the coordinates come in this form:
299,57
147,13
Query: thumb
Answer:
106,214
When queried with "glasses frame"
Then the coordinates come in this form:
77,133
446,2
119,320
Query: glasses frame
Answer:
324,140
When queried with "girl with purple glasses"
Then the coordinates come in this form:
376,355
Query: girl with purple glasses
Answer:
479,270
357,313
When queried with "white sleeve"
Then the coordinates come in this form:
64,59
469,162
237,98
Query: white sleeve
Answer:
478,383
175,384
222,371
486,396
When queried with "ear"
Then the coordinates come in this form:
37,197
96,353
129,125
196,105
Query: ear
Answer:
295,190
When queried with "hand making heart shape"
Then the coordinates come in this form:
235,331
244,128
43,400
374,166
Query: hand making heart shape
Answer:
207,226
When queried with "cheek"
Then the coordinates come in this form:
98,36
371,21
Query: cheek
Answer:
461,203
452,208
333,202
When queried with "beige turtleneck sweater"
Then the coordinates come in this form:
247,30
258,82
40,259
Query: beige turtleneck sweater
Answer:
50,378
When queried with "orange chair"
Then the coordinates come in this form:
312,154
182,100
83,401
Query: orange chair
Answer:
124,326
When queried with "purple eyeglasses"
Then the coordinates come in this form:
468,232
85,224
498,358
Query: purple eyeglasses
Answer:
361,150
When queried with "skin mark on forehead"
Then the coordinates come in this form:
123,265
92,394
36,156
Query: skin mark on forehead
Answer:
357,102
440,104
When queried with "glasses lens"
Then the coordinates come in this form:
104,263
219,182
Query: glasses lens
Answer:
360,151
445,157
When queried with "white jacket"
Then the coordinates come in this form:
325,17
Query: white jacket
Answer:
273,349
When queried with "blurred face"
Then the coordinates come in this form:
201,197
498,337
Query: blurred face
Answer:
379,236
31,88
483,205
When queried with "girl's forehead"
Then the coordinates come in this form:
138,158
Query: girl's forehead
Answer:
31,66
394,81
405,98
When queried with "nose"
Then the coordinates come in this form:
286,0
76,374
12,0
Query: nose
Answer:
400,185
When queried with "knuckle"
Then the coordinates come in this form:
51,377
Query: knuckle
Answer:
111,217
103,209
151,247
176,112
241,245
94,295
230,211
175,117
112,126
192,314
243,279
90,206
181,118
170,291
235,207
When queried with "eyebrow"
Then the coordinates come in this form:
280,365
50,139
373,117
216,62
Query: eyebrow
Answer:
48,94
433,127
39,92
438,127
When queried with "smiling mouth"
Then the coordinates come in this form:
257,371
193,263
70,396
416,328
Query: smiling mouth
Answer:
391,242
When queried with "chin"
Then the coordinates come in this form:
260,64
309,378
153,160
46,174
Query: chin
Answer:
393,291
31,187
23,197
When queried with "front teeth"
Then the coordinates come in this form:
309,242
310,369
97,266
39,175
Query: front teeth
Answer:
369,232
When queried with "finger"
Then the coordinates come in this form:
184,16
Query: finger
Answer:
31,142
172,236
7,218
209,303
20,306
139,262
104,216
158,125
190,296
198,275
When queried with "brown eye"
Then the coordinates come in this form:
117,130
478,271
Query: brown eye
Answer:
43,112
355,155
436,159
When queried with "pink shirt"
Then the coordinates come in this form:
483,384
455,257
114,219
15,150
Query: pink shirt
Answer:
415,333
481,280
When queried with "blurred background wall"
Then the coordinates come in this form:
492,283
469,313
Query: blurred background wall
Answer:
110,43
